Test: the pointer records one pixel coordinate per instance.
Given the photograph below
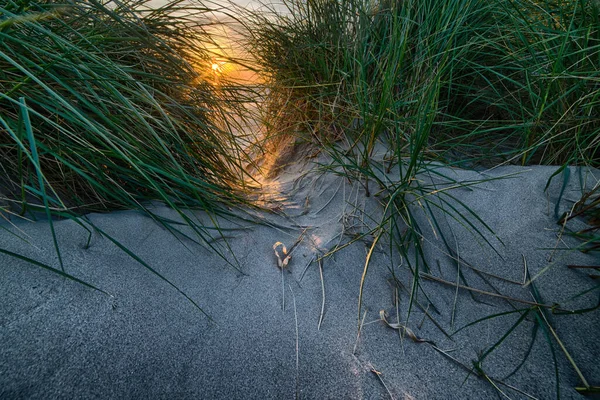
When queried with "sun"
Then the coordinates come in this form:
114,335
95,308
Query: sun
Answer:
218,67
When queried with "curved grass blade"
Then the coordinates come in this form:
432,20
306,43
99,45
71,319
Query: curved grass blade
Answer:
54,270
147,266
41,180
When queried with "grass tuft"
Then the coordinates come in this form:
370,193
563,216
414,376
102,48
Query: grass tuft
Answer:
111,105
467,83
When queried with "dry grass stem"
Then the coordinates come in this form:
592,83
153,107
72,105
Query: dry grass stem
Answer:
507,298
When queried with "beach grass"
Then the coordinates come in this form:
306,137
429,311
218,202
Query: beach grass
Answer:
108,106
465,83
112,105
462,80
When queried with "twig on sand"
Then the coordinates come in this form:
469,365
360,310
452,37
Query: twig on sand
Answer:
453,255
501,296
282,291
404,328
331,199
425,310
323,290
525,270
306,268
583,266
297,242
359,330
378,375
424,316
458,263
297,346
565,351
482,375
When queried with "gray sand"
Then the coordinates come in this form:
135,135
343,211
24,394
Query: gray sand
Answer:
61,339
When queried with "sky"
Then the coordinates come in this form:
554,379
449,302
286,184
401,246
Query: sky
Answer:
252,4
222,34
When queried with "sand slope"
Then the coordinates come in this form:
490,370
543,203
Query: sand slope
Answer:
61,339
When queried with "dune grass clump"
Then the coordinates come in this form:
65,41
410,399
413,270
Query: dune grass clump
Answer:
588,209
466,78
106,105
116,102
351,74
464,82
109,105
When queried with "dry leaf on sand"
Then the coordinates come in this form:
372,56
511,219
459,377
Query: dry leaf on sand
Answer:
406,329
281,263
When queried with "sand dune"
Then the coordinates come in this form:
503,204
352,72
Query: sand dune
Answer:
61,339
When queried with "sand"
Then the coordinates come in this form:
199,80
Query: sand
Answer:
262,339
